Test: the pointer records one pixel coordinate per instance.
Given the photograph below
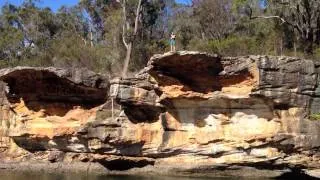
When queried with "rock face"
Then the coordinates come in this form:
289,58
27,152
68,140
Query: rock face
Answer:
40,104
191,111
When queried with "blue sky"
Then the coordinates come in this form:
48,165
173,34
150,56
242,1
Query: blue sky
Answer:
183,1
56,4
53,4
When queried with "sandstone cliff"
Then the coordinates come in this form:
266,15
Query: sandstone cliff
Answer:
185,112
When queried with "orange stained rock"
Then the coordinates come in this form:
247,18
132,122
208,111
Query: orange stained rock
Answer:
241,84
149,133
140,93
40,124
172,122
175,91
21,108
178,139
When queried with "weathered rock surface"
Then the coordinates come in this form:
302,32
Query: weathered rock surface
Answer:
189,111
39,104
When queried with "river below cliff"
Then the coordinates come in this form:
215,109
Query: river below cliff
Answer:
50,176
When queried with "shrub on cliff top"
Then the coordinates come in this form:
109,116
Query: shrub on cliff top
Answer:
314,117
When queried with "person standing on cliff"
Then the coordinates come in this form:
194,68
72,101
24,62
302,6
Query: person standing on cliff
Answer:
172,42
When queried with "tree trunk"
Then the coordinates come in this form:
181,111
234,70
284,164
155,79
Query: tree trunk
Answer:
309,48
91,38
127,60
295,48
281,46
309,44
130,44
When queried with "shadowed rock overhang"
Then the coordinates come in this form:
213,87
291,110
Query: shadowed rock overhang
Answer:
169,68
78,87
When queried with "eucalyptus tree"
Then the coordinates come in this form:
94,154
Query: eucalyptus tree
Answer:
303,16
11,38
216,18
139,17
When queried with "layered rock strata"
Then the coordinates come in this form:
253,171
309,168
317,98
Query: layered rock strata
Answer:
189,111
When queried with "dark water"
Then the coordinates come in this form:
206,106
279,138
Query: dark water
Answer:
46,176
8,175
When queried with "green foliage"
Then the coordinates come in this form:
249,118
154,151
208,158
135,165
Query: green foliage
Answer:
315,117
233,45
10,42
90,34
317,53
238,3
